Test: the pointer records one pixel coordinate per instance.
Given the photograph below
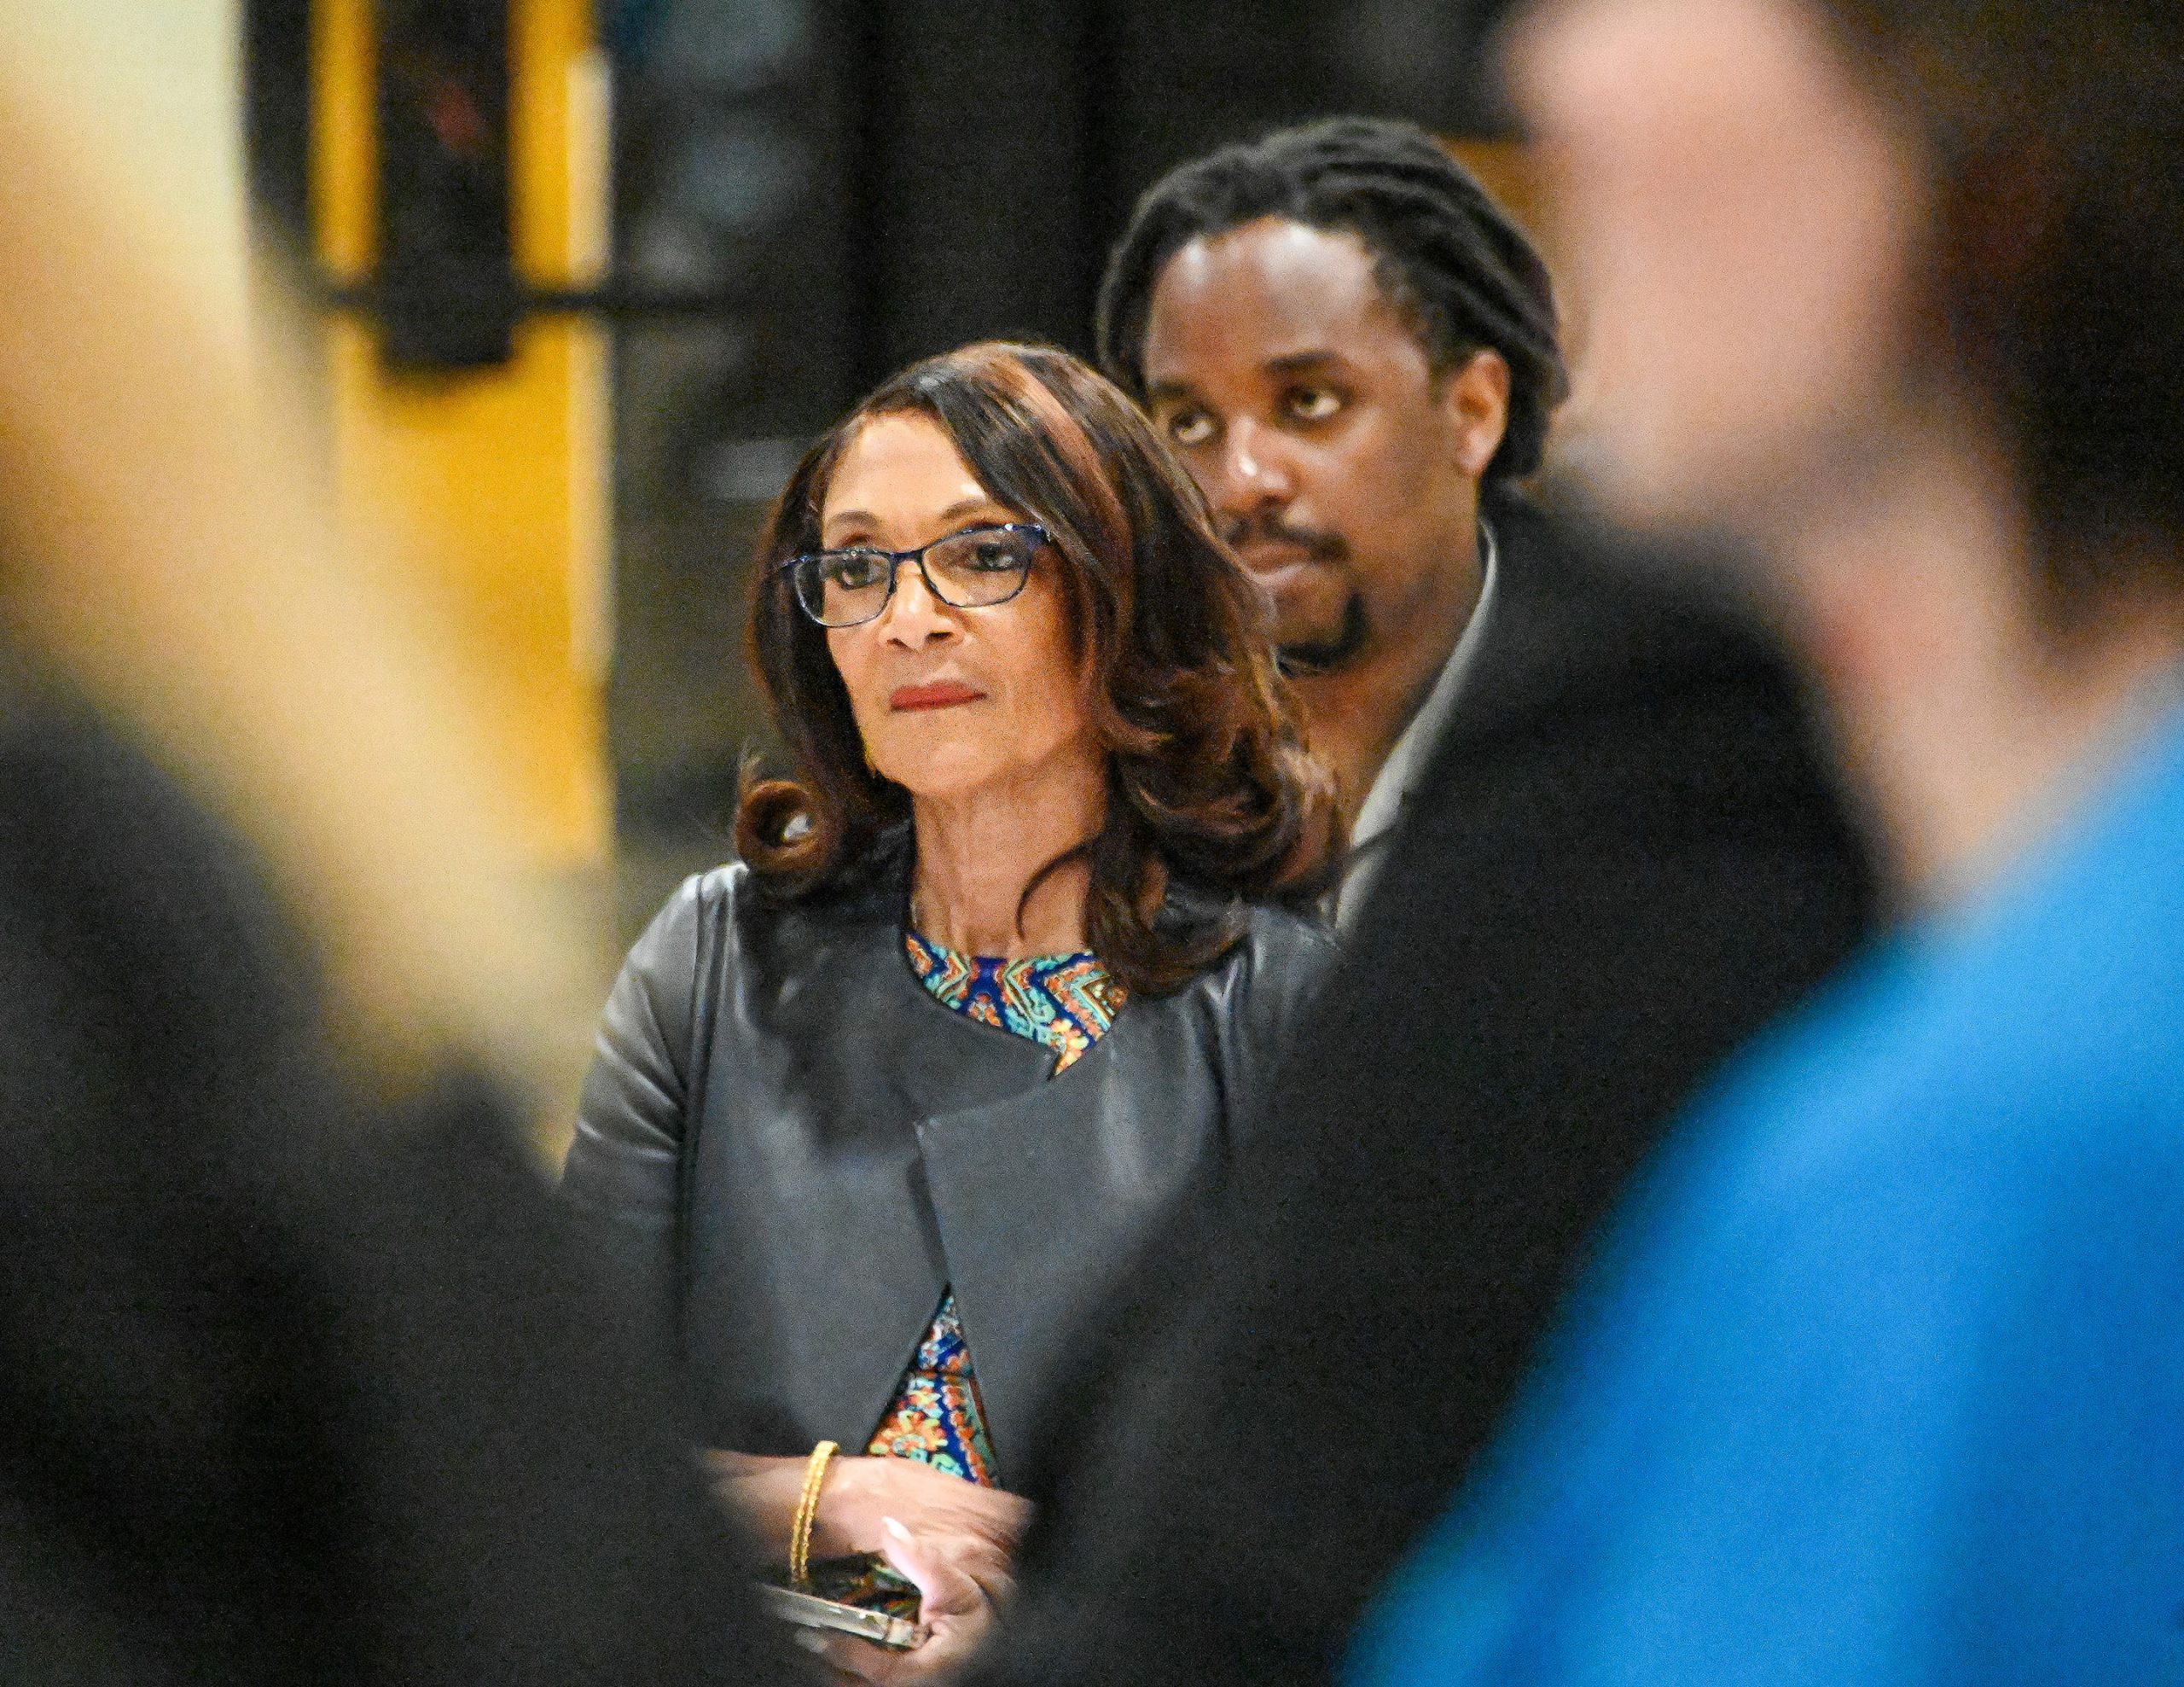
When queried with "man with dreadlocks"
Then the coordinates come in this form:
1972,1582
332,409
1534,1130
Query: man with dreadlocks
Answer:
1600,852
1352,348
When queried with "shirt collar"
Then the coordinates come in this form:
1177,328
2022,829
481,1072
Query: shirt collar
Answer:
1406,764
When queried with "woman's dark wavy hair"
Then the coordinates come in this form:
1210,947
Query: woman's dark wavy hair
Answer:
2051,293
1209,784
1446,255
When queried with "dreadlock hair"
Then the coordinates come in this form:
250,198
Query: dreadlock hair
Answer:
1445,254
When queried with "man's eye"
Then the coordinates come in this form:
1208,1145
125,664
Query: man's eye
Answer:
1190,428
1314,404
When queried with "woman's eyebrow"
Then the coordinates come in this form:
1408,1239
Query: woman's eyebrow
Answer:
970,506
865,519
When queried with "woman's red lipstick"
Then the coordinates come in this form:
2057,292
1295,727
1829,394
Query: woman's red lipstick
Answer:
943,694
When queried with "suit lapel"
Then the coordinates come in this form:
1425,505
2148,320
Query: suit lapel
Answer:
810,1189
1042,1196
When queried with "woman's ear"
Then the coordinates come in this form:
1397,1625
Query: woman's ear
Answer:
1475,398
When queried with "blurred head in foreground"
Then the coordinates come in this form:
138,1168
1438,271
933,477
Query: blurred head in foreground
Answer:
168,552
1857,264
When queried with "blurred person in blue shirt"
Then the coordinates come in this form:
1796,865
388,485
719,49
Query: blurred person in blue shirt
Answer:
1879,1375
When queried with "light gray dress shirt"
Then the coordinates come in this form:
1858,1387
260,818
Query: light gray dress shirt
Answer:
1370,838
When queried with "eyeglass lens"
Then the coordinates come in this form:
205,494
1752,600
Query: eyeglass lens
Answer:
970,571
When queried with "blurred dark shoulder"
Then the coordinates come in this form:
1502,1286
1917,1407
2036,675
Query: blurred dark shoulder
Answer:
302,1381
1627,683
1588,612
148,929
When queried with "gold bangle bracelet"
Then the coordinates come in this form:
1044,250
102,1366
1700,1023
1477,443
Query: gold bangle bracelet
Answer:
807,1513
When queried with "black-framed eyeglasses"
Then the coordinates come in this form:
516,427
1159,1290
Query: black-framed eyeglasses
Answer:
974,569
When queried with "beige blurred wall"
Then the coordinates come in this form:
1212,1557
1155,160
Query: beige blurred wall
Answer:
151,91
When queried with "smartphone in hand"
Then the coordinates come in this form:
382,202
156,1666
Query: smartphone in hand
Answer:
808,1610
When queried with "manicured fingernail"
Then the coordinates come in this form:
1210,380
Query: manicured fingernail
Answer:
895,1529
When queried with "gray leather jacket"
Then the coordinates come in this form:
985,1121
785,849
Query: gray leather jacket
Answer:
800,1146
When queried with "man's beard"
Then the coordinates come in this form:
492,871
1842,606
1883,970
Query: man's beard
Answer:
1308,655
1329,655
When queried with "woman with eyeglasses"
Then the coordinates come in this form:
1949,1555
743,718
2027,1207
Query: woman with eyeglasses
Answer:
882,1107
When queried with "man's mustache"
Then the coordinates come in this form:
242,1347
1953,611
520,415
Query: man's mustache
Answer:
1268,528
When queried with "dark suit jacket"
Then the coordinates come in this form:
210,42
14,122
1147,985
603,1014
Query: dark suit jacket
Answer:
1625,858
799,1147
297,1382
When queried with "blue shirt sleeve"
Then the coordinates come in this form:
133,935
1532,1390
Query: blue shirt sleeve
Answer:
1893,1397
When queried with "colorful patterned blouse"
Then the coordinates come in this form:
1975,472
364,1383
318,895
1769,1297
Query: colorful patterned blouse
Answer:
1067,1002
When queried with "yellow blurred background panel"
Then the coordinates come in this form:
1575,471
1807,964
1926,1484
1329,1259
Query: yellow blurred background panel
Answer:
495,480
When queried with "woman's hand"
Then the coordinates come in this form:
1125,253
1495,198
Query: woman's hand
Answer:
858,1497
861,1495
954,1540
962,1584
